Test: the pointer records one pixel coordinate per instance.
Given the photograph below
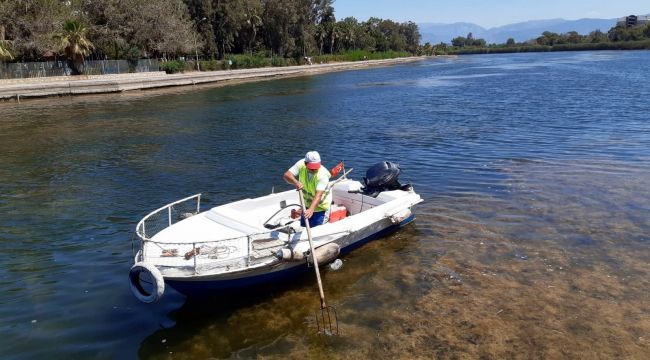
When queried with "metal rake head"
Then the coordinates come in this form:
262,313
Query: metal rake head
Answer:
327,321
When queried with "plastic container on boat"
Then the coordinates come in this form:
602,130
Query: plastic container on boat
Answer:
337,212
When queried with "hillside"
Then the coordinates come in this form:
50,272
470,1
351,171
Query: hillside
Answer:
435,33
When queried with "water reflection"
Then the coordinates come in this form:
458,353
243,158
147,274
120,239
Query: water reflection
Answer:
531,243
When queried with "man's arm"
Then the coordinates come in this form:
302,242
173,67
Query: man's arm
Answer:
291,179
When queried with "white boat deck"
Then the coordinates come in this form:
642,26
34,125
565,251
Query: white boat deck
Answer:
232,236
221,238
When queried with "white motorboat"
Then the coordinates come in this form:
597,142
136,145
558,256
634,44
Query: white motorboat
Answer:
257,240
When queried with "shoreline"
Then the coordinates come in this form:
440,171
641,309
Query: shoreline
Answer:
29,88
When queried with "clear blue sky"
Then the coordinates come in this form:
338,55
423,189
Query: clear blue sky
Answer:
488,13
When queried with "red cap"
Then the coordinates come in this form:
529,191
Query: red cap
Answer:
312,160
313,165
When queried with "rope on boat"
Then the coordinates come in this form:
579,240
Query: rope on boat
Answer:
219,251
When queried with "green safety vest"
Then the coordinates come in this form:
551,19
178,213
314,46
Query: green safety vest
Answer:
309,186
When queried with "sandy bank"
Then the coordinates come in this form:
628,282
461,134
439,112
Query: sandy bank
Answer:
19,89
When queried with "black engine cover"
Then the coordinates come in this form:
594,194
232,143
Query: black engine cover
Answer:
381,177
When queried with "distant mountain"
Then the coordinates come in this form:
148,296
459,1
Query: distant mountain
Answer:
436,33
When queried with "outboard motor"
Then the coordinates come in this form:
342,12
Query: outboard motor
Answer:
382,177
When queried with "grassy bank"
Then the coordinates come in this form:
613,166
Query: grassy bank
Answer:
359,56
620,45
232,62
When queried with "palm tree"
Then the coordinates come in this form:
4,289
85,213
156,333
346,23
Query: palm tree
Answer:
254,22
335,35
74,43
5,50
5,46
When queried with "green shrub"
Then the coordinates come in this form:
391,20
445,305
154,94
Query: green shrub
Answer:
132,55
173,66
264,53
278,61
359,55
249,61
210,65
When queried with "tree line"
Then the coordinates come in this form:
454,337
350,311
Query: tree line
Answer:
32,30
617,38
615,34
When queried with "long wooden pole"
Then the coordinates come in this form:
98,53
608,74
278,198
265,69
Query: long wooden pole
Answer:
313,253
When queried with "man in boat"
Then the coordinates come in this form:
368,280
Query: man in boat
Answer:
309,176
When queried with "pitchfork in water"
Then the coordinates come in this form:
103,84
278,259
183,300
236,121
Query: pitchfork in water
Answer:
326,319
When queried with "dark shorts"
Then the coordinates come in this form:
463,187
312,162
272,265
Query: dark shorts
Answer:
318,218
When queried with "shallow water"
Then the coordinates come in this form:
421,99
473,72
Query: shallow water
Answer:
532,241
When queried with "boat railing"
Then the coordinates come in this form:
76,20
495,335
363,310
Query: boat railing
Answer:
166,216
220,250
217,250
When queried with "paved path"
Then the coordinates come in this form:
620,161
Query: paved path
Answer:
93,84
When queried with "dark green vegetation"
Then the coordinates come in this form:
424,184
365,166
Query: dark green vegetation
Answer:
221,33
244,61
617,38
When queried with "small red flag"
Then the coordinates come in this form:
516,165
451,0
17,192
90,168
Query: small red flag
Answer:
337,169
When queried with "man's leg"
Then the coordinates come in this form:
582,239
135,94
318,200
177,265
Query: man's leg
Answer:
318,218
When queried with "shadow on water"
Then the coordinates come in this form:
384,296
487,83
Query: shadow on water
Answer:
211,324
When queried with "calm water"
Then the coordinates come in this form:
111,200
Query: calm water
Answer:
532,242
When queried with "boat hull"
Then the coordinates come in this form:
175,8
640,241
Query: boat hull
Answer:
199,286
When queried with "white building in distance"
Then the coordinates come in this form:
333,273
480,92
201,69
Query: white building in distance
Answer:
632,21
